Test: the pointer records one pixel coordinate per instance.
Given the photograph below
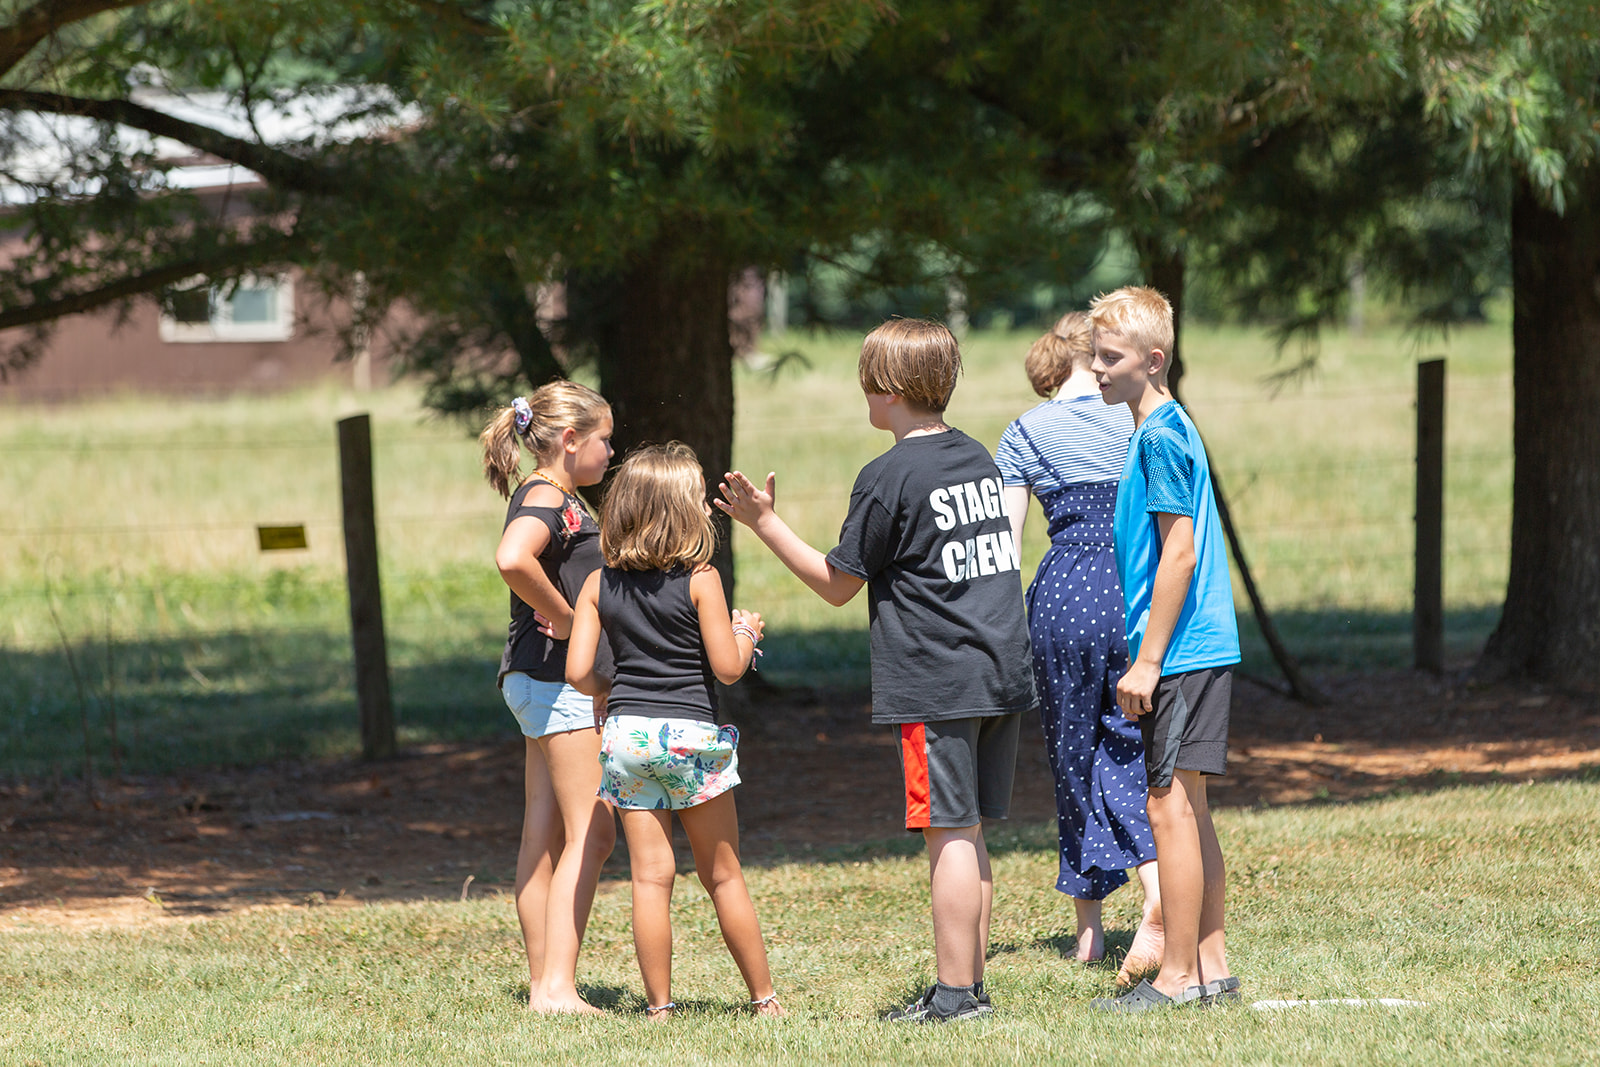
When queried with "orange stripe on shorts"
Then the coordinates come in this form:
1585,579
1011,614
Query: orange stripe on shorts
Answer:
914,756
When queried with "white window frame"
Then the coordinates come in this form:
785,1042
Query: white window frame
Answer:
222,327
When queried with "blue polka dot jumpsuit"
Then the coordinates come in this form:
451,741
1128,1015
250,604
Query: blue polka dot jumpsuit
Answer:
1080,650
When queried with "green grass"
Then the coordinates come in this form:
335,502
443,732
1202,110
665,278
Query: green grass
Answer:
130,538
1475,900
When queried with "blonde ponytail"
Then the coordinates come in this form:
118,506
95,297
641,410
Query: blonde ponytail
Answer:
537,422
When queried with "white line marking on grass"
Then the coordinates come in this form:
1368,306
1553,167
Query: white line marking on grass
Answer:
1380,1002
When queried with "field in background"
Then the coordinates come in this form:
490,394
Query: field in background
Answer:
1475,904
129,537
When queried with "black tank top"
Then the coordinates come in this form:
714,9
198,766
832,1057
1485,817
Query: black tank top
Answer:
571,556
654,630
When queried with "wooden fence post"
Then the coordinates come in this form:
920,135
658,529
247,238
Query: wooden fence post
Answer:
366,600
1427,620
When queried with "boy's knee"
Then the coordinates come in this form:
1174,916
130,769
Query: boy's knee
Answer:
1168,805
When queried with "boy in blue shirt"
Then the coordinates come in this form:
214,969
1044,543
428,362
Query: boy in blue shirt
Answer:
1182,637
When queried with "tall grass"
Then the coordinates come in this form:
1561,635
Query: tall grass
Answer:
1474,902
134,518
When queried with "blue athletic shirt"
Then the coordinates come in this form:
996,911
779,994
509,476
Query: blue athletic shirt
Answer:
1166,472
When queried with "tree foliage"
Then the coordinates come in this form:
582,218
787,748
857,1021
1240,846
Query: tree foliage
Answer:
508,145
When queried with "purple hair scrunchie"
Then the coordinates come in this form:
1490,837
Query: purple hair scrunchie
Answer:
522,415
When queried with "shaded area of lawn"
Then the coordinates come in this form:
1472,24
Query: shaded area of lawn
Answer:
245,697
820,782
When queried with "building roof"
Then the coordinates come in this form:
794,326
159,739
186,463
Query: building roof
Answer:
37,149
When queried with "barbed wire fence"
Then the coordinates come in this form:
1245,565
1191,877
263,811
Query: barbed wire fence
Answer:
1244,481
1287,551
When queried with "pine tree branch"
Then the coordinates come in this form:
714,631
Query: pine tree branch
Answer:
518,318
33,24
228,258
279,168
457,18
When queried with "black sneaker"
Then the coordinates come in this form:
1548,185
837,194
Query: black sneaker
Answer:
983,998
924,1009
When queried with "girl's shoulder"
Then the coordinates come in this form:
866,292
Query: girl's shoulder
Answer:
538,493
562,511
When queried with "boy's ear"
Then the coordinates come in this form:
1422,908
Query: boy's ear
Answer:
1158,362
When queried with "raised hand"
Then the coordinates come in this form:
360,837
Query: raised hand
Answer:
745,503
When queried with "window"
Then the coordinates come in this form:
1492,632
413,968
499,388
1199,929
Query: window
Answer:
254,309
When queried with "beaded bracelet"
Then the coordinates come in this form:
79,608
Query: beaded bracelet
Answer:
750,632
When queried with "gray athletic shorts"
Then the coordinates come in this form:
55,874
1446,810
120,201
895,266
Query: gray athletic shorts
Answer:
1188,730
957,770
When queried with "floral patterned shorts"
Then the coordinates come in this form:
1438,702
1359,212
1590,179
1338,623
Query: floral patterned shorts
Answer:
668,764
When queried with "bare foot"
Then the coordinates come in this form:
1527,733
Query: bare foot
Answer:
1091,945
553,1006
768,1008
661,1014
1144,955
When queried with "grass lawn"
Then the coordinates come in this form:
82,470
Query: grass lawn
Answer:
130,539
1477,901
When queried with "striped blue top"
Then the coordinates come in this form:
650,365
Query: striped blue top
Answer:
1082,437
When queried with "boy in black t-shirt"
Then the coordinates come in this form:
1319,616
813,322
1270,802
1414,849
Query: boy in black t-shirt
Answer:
928,535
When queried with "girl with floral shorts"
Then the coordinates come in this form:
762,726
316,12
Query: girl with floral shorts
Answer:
661,607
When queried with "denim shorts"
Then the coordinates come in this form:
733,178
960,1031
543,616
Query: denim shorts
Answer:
545,708
668,764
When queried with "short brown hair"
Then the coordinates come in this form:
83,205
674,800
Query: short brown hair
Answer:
1069,346
916,359
1138,313
654,515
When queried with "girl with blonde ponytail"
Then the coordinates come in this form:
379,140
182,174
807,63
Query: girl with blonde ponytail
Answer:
549,547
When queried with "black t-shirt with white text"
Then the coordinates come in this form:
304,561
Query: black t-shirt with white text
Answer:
928,533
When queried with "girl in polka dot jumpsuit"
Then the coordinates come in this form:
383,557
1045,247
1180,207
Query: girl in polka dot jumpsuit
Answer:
1068,452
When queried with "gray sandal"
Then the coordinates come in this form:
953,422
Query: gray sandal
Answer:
1146,997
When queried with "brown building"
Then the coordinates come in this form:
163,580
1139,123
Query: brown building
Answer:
261,333
267,333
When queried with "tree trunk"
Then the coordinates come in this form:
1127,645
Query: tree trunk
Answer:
1549,629
1164,272
666,364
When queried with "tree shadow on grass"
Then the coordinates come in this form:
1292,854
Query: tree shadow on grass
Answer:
821,785
905,995
1343,639
604,997
226,699
250,696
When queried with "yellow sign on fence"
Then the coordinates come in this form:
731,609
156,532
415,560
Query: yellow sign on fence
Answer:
280,538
